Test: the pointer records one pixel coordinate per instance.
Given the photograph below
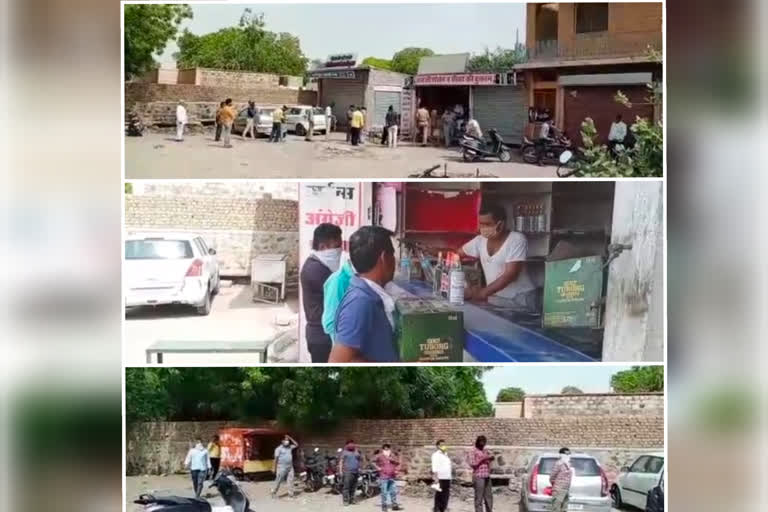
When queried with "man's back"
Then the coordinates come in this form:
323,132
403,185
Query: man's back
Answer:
313,276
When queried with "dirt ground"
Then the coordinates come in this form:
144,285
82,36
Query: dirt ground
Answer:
158,155
413,497
234,316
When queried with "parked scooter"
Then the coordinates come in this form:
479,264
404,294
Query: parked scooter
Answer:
552,148
235,499
369,483
314,471
474,148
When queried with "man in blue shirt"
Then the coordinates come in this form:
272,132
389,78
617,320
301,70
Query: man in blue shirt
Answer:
349,467
199,464
364,320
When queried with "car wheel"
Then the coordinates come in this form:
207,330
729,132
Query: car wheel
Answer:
216,288
205,308
300,131
616,497
505,155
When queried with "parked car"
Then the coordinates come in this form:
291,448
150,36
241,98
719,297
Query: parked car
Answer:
636,481
589,486
296,119
170,268
263,125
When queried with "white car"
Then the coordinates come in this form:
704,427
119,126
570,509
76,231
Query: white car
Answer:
170,268
263,125
296,119
634,482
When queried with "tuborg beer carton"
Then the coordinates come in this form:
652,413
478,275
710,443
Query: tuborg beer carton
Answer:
429,329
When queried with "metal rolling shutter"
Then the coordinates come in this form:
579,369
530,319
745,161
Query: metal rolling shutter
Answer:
382,101
503,108
343,93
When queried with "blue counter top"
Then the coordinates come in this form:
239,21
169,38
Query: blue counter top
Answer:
496,337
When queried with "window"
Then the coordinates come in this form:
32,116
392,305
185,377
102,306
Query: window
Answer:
581,466
591,18
654,465
639,465
150,249
295,111
201,246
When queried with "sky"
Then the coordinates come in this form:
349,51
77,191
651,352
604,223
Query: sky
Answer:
377,30
537,380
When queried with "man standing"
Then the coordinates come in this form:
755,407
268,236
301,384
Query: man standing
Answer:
480,460
181,120
364,320
617,134
283,465
350,114
441,474
329,120
390,128
214,454
250,115
228,115
544,136
448,127
217,138
277,125
199,464
422,122
560,478
324,260
502,255
363,126
349,467
310,117
356,126
386,464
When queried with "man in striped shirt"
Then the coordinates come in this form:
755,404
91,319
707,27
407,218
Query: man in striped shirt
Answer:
560,478
480,461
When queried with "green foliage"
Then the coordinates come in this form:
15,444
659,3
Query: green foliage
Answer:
407,59
571,390
511,394
377,63
148,28
246,47
639,379
500,59
304,397
128,188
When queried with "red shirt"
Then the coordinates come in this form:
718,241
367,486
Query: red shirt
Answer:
387,466
478,461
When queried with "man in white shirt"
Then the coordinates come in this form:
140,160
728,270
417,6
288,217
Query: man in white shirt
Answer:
199,463
181,120
442,474
502,255
618,133
473,129
328,120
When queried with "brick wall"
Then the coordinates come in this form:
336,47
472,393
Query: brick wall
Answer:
238,228
160,447
593,404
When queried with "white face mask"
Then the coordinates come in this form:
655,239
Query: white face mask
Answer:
565,458
386,453
331,258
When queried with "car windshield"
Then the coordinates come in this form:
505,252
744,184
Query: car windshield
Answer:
319,112
150,249
582,466
266,111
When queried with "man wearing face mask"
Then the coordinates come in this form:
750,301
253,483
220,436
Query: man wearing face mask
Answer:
442,473
502,254
364,321
349,467
560,478
283,465
324,260
480,461
199,464
386,463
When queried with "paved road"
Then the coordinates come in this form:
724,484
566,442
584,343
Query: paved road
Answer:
322,501
234,316
157,155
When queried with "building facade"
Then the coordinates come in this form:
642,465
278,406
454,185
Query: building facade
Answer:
581,54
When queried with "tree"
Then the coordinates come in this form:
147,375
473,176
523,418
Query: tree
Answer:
407,60
511,394
639,379
500,59
377,63
246,47
571,390
148,28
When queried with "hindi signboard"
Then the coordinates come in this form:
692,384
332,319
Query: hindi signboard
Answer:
456,79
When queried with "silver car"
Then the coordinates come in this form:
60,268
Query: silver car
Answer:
262,124
589,487
296,119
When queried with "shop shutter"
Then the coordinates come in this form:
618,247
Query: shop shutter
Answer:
382,101
503,108
343,93
598,103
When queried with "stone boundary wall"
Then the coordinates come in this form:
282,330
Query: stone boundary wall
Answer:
593,404
160,447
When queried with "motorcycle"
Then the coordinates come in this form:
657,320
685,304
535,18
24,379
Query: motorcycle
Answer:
551,151
475,148
313,474
332,478
369,483
235,499
135,127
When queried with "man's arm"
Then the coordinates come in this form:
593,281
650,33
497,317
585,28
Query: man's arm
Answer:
554,473
294,444
188,458
343,354
511,272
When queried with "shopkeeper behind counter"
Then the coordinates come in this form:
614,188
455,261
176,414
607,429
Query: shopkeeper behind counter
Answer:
502,254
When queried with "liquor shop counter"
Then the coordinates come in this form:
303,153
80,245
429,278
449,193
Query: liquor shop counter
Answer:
495,335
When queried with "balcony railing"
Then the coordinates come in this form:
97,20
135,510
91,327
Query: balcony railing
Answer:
591,46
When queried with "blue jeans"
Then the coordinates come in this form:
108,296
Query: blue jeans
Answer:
388,488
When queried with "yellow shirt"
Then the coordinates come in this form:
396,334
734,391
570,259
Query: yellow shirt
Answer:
277,116
357,119
227,115
214,451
